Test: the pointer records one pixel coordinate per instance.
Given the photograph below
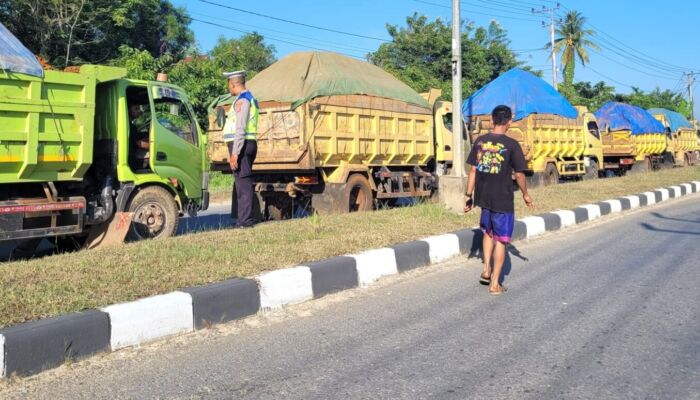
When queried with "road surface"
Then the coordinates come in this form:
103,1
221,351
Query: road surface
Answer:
608,310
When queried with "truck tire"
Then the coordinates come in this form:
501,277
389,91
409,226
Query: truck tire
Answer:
535,180
592,171
551,175
358,193
278,207
155,214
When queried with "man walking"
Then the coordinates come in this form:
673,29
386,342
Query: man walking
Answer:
240,134
494,157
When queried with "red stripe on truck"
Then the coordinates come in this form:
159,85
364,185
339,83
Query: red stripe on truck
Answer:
27,208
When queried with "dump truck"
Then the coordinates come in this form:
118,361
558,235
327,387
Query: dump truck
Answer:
633,140
559,141
338,135
555,147
681,137
70,164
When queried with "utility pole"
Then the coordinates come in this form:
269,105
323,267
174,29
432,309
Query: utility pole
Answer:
550,11
457,140
452,187
691,81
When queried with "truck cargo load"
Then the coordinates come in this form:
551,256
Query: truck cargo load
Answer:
327,120
555,137
630,132
14,57
681,136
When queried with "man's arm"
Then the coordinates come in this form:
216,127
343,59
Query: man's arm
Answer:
241,108
522,185
471,182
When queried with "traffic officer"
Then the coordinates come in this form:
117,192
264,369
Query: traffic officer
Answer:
240,135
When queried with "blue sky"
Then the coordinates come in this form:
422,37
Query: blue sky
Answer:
643,44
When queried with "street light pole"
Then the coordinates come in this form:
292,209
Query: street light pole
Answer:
551,11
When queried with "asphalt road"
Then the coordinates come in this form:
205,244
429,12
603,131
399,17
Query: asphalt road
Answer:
605,311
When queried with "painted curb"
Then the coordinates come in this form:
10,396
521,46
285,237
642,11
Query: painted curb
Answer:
284,287
374,264
38,345
411,255
223,301
333,275
47,343
442,247
149,319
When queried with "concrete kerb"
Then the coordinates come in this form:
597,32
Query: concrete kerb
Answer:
149,319
47,343
223,301
183,311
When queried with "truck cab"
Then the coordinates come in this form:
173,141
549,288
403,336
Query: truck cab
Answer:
593,153
160,150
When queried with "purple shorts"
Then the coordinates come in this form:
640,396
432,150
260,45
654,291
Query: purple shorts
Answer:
497,225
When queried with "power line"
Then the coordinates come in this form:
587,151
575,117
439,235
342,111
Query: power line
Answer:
611,79
273,38
313,40
634,69
492,15
293,22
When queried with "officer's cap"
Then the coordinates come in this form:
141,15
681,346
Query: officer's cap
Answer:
230,75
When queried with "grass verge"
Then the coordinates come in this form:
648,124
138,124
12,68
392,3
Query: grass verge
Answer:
220,186
53,285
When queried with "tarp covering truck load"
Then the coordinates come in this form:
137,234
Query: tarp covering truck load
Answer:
335,134
683,143
631,136
558,140
68,163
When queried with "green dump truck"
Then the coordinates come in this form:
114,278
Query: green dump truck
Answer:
86,153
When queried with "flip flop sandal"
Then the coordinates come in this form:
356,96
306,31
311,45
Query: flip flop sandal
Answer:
484,280
498,292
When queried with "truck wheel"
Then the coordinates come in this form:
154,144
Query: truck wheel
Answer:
358,193
551,175
155,214
278,207
592,171
535,180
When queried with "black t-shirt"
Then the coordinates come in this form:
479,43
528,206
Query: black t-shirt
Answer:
495,157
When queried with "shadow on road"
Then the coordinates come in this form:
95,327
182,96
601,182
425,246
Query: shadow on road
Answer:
661,216
651,227
477,252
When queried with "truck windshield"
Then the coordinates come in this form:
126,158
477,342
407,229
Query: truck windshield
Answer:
174,116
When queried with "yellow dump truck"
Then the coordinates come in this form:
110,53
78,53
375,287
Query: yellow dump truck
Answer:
681,137
335,134
554,146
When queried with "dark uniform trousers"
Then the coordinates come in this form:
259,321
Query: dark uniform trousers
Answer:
244,191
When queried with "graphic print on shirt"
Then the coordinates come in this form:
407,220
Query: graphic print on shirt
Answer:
490,157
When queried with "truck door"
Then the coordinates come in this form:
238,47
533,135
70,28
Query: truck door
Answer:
175,146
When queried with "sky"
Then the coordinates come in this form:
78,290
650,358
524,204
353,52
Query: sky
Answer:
642,43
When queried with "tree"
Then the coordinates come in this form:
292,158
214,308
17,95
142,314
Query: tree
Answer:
67,32
590,95
201,76
420,54
656,99
572,43
249,53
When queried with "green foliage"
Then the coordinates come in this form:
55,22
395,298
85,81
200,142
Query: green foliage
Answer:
595,95
201,75
94,30
420,54
656,99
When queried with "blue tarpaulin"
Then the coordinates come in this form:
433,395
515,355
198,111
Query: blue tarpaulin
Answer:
14,57
621,116
523,92
675,120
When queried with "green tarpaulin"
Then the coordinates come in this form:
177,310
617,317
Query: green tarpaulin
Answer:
303,76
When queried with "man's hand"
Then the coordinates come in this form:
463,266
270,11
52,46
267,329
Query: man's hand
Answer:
528,200
233,162
469,204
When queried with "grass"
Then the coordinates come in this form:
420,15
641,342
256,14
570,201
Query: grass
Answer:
220,186
53,285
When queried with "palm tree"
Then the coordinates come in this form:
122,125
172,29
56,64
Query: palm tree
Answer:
572,43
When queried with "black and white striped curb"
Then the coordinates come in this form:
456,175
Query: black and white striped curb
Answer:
32,347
